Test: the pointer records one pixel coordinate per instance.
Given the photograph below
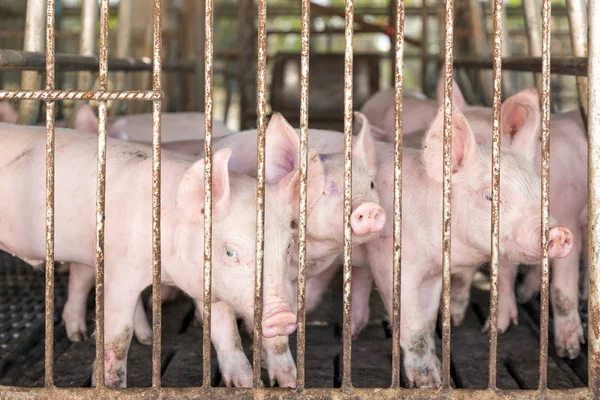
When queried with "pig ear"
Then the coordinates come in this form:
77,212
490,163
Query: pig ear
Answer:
287,188
458,100
7,113
521,121
85,119
190,195
464,147
363,145
281,149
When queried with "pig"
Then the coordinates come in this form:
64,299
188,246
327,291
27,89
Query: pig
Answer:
138,127
127,257
418,112
471,208
7,113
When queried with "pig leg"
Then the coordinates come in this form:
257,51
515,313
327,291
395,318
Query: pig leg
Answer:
507,302
316,286
233,363
362,284
531,286
167,293
431,291
275,353
568,332
81,281
416,340
120,301
141,327
460,291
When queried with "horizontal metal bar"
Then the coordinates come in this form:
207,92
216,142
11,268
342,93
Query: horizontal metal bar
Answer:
48,95
22,393
575,66
34,61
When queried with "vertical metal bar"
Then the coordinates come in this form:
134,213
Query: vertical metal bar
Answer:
446,265
34,41
261,101
397,230
49,345
87,39
424,44
156,189
304,69
495,244
533,23
123,45
208,114
578,24
593,196
546,33
347,317
101,195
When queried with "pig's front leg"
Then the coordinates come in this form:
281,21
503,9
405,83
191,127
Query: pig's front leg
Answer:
460,291
316,286
416,339
233,363
81,281
531,285
141,327
564,290
507,302
120,301
362,284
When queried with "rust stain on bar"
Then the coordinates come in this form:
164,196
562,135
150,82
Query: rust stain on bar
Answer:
50,152
447,177
546,21
101,196
397,230
594,197
495,241
53,95
156,168
347,285
301,314
261,101
208,112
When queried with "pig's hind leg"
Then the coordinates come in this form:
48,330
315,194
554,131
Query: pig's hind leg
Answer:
81,282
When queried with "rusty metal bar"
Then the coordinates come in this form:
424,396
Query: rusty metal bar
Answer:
397,229
301,314
576,66
53,95
36,61
593,125
156,190
424,43
261,101
208,116
24,393
123,44
533,24
446,260
101,195
495,241
347,285
546,33
578,25
34,41
87,40
50,113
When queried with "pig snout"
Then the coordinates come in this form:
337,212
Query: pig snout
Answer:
367,218
278,319
560,242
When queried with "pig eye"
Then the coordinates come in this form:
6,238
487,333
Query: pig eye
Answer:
372,185
231,253
487,196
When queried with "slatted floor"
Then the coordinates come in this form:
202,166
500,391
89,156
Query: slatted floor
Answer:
22,344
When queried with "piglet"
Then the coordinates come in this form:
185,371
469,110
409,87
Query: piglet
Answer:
128,227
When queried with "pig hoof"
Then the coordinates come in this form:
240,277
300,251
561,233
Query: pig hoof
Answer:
235,370
76,331
422,371
145,340
359,322
458,313
568,336
282,369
